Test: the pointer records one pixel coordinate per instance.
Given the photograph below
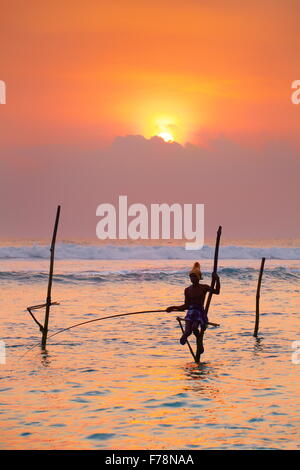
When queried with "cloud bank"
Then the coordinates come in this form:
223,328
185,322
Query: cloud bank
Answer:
253,193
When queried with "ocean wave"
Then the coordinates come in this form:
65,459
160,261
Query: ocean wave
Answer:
110,252
279,273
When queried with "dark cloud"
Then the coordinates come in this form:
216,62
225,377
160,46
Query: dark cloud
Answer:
252,193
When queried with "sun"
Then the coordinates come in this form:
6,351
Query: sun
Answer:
162,117
166,136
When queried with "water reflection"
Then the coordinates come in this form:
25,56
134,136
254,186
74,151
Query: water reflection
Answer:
201,379
130,385
258,346
45,358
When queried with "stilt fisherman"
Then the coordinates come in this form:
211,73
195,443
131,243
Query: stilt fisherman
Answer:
194,297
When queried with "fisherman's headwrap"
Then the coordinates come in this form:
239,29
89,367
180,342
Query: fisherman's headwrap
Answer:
196,270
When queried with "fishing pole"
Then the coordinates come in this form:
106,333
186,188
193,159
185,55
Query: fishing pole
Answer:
104,318
114,316
94,320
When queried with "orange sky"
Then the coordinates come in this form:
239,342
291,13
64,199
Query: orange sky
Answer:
214,73
93,70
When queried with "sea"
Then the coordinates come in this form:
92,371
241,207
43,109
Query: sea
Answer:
127,382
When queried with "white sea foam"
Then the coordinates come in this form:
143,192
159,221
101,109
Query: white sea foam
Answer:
107,252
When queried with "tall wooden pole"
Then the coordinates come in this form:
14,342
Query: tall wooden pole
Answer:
48,300
216,257
258,297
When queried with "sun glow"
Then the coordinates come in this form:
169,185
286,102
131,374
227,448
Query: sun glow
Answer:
165,127
166,136
173,123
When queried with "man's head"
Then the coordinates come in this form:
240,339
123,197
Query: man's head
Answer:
195,273
194,279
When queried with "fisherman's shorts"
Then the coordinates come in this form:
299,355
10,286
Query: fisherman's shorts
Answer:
194,318
196,313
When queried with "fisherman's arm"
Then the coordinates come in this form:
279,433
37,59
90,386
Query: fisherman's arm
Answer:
179,308
217,287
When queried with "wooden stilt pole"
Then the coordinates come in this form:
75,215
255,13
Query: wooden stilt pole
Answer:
258,297
216,257
48,300
187,341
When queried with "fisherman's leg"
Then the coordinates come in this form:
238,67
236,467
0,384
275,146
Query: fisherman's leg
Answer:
195,328
187,331
200,347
